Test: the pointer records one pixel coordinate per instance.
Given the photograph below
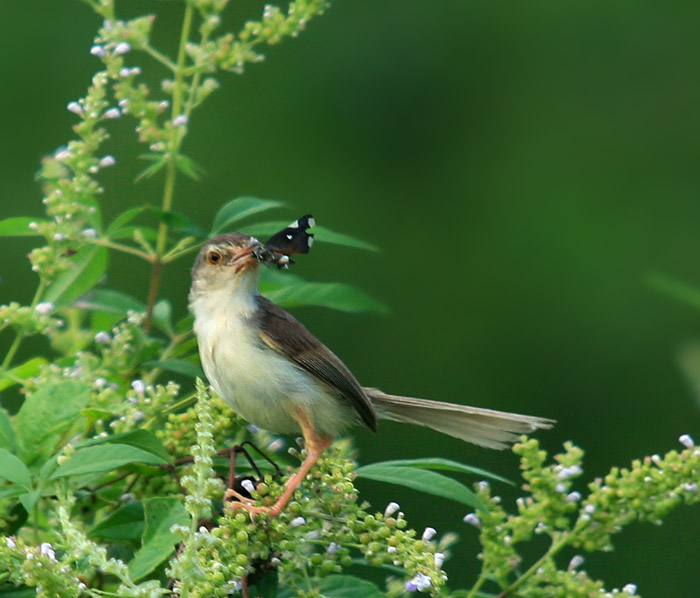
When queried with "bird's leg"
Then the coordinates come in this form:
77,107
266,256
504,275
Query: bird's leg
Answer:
315,445
231,493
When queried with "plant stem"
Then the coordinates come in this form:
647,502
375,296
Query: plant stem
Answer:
20,333
171,168
558,542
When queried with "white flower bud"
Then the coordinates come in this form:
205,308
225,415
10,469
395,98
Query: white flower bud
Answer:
180,121
574,496
569,472
391,508
89,233
44,308
297,521
113,113
138,386
472,519
10,542
687,441
98,51
630,589
428,534
438,559
333,547
575,562
75,108
122,48
103,338
47,550
107,161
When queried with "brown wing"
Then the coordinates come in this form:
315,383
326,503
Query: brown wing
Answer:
283,333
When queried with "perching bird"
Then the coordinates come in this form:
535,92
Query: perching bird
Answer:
276,375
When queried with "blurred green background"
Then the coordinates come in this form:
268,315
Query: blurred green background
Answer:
523,167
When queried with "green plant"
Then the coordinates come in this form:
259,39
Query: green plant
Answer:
111,471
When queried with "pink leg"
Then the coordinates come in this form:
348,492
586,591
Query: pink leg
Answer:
315,445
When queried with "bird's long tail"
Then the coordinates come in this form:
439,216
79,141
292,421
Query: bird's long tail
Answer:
485,427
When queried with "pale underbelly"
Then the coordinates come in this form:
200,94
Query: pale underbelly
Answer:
269,391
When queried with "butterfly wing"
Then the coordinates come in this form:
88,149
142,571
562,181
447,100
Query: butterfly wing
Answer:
293,239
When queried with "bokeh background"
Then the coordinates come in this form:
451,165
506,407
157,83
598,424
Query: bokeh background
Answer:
524,168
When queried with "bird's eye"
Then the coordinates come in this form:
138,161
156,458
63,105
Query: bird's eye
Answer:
214,257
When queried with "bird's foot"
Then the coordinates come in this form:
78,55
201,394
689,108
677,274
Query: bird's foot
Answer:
254,510
237,498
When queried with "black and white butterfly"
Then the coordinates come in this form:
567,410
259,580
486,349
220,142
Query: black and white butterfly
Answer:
293,239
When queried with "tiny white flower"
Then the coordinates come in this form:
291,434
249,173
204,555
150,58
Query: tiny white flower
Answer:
75,108
122,48
203,530
686,440
656,459
163,105
590,509
438,559
33,226
333,547
569,472
107,161
276,445
575,562
123,103
97,50
180,121
472,519
82,587
561,488
630,589
10,541
574,496
138,416
391,549
483,485
113,113
138,386
248,485
47,550
428,534
29,557
103,338
297,521
391,508
43,308
59,237
690,487
89,233
63,154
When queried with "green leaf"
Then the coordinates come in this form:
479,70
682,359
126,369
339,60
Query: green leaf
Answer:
141,439
108,301
13,470
122,219
7,434
163,316
349,586
88,266
189,167
126,523
239,209
177,366
675,288
321,233
21,372
158,541
159,162
47,415
104,458
335,295
18,227
421,480
179,222
445,465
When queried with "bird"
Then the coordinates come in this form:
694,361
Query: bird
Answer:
278,376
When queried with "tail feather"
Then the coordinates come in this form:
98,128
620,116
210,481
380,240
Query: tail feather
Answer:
485,427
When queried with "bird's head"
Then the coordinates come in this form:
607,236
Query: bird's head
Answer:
227,261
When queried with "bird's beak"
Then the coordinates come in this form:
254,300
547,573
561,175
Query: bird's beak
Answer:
245,258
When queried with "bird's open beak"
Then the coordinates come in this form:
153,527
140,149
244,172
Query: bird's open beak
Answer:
245,258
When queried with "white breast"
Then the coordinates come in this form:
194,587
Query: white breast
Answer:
262,386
